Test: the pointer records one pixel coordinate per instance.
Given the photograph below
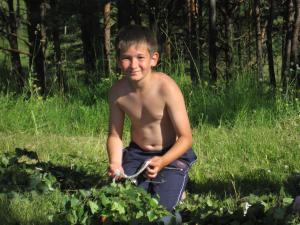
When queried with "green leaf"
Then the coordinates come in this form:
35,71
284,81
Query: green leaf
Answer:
104,200
80,212
72,217
93,206
4,161
153,202
151,216
209,202
287,201
118,207
139,215
84,219
85,193
74,202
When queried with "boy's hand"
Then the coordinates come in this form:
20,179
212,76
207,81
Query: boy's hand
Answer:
156,164
115,170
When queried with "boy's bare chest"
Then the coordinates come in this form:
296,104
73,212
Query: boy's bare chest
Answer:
144,109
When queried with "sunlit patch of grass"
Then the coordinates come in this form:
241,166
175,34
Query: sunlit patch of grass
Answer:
29,209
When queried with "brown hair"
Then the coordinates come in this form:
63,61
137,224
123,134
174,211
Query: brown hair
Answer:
135,34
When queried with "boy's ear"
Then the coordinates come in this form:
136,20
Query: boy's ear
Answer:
154,58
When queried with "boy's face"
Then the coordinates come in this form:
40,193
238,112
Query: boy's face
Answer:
136,61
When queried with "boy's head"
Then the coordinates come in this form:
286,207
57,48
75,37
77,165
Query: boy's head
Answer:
134,34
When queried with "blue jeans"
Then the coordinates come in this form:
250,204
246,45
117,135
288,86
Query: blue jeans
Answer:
170,182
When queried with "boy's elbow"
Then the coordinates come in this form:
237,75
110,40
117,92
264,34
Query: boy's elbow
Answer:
189,140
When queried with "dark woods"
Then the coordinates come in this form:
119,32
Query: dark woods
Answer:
45,40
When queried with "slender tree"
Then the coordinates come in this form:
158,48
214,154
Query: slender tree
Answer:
239,19
287,30
107,25
136,12
35,12
12,36
269,44
153,14
212,40
248,13
124,12
90,35
258,39
295,45
227,11
55,30
193,44
200,38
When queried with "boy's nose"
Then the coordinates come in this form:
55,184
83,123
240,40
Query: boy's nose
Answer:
134,63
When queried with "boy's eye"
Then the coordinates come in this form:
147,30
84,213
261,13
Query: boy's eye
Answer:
141,57
125,58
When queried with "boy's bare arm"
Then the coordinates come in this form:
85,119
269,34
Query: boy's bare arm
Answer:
114,140
179,118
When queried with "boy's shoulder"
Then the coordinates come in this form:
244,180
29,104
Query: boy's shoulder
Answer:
164,79
117,89
119,85
166,82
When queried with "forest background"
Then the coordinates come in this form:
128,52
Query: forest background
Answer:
236,61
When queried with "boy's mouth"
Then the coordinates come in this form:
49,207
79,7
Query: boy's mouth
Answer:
133,72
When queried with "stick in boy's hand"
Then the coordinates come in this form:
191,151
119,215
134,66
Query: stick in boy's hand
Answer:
120,174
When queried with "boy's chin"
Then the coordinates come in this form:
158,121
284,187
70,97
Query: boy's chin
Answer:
135,77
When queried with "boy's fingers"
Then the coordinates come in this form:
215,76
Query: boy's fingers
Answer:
151,172
151,175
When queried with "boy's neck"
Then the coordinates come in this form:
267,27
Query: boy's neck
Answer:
143,84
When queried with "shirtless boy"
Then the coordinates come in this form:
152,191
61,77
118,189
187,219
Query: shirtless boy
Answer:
160,128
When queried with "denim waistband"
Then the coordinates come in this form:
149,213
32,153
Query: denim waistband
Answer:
134,145
189,156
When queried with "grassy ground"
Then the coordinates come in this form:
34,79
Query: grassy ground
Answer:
247,144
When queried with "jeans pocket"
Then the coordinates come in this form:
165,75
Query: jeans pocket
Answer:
178,165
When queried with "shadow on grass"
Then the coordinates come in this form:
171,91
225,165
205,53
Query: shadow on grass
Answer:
25,172
254,187
257,182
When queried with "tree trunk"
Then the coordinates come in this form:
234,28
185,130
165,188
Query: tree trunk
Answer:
153,14
200,38
295,44
250,28
286,56
56,44
90,36
269,44
17,70
37,42
107,25
18,15
212,40
136,13
229,41
124,13
239,41
258,39
192,51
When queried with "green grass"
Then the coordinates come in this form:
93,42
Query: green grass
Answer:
247,143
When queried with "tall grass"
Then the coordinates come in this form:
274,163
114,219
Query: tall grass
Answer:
53,115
